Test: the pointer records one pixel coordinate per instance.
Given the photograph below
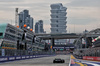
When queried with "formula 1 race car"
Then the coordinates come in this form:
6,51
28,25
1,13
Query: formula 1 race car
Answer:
58,60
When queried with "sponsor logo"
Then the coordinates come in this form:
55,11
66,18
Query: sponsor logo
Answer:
98,58
90,58
3,59
31,56
18,57
84,57
11,58
27,56
23,57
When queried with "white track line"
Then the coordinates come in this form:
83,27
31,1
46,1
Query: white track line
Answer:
70,61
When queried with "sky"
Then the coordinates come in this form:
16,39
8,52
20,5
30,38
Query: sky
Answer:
81,14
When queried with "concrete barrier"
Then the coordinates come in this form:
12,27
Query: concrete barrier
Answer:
91,58
13,58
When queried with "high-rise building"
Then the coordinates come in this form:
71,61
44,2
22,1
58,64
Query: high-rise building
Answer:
58,19
24,18
36,27
39,27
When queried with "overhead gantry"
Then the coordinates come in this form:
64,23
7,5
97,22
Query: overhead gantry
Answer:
52,37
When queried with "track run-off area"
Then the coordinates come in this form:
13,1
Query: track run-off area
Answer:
80,62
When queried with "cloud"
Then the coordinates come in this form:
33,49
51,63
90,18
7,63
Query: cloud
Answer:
80,12
47,28
47,1
81,21
6,15
79,28
83,15
11,0
84,3
84,12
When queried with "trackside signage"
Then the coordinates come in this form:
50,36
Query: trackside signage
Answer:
27,56
3,59
12,58
62,47
91,58
17,58
23,57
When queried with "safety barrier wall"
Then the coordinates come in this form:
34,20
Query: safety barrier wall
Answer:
12,58
91,58
14,52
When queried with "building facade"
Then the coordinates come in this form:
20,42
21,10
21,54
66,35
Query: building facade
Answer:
39,27
25,18
58,20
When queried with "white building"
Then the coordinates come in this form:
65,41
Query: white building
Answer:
58,19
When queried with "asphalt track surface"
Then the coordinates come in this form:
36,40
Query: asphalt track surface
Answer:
44,61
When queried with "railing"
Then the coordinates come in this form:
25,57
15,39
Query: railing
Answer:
95,52
10,52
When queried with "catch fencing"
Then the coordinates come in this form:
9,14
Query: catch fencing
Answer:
10,52
94,52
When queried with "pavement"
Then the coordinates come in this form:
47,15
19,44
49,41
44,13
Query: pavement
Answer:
44,61
80,62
